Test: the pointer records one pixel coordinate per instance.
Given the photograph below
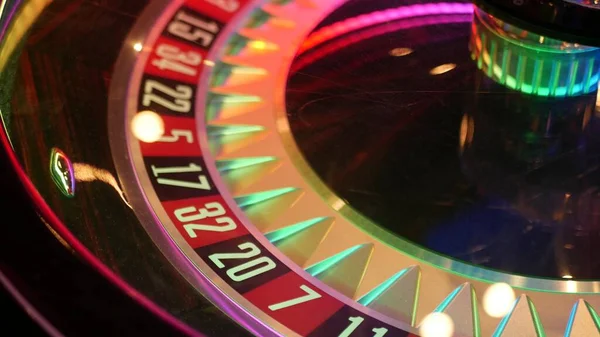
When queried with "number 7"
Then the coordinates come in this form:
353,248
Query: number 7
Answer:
310,295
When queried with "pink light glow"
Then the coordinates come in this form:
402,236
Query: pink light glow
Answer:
313,55
375,18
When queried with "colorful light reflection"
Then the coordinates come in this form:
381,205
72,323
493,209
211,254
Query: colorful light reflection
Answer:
531,63
62,173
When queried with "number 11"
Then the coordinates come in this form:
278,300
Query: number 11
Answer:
356,322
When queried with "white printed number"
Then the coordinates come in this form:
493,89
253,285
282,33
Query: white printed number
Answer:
172,58
193,29
310,295
226,5
179,97
201,184
255,266
177,134
210,210
355,323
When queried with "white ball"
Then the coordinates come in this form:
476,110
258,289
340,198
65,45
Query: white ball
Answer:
498,300
147,126
437,324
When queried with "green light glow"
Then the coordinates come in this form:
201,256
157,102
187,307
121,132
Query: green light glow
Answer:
230,130
324,265
236,45
573,88
475,311
571,320
258,19
234,164
444,305
256,198
217,98
289,231
380,289
539,329
594,315
504,322
220,75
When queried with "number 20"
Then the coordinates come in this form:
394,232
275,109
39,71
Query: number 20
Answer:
243,272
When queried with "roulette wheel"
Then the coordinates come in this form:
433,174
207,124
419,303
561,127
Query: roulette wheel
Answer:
302,167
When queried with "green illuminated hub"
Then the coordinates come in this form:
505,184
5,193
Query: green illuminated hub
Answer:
532,63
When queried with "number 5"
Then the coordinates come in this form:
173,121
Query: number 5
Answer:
177,134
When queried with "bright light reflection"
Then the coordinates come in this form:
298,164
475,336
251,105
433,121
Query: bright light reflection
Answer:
138,47
467,127
571,287
441,69
86,173
437,324
567,276
398,52
262,45
498,299
338,204
147,126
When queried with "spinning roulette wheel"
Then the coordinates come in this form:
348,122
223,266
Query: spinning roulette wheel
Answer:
304,167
